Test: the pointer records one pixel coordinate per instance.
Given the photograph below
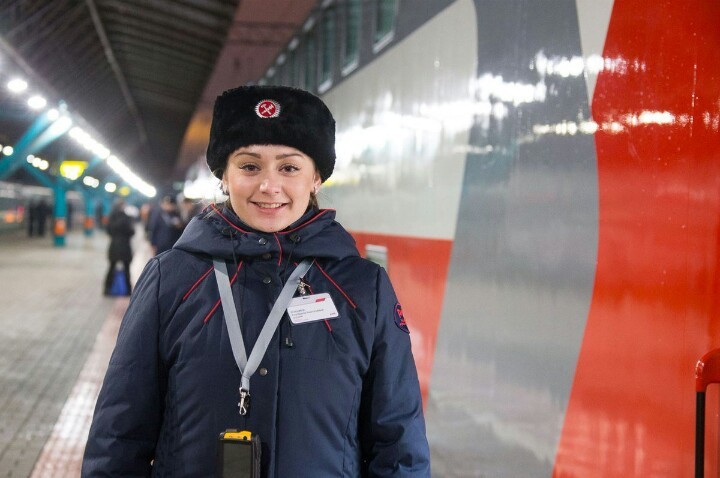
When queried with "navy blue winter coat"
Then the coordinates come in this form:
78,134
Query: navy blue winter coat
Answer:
335,398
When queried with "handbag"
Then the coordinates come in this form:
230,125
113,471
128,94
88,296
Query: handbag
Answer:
119,284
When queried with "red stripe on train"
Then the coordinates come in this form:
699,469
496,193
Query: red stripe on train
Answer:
418,269
655,304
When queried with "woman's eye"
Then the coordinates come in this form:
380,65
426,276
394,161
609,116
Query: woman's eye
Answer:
289,168
249,167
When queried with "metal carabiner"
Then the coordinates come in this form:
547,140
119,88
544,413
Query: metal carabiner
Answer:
244,403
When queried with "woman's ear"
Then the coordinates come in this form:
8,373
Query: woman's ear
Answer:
223,183
317,181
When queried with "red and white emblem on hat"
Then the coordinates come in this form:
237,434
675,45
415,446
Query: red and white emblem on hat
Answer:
267,109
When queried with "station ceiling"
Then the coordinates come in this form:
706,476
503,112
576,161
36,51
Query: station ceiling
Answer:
143,73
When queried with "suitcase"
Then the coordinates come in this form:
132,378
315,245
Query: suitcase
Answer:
707,371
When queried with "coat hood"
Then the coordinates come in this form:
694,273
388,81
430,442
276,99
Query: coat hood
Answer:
217,231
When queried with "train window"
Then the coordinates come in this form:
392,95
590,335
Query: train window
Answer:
327,49
384,23
281,66
269,76
292,71
377,254
351,38
310,62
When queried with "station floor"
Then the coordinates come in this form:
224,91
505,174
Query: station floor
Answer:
57,332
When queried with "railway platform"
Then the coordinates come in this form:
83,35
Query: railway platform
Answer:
57,332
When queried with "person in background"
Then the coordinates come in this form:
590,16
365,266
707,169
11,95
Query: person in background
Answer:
189,209
69,218
31,217
120,228
99,216
330,386
166,225
42,211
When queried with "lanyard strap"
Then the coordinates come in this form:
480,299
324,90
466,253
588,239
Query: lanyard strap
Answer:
247,365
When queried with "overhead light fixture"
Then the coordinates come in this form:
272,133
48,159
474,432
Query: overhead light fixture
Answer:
72,169
130,177
37,102
91,181
8,150
17,85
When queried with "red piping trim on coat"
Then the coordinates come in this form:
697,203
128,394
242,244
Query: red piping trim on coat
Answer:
322,211
226,219
280,246
197,283
232,281
212,311
336,285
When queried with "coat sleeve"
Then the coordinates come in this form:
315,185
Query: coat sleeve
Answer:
128,412
391,422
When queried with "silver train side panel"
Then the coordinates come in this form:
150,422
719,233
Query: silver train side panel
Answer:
522,265
403,124
594,18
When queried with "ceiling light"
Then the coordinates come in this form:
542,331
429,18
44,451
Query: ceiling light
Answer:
91,181
36,102
17,85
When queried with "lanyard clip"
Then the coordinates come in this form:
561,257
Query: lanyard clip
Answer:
302,287
244,403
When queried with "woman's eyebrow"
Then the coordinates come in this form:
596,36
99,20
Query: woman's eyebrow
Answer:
247,153
283,156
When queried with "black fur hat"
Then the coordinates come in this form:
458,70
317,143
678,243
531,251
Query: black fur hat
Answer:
271,115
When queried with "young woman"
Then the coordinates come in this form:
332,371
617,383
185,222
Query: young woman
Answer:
330,390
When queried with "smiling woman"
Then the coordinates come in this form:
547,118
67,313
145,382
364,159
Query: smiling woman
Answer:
336,391
270,186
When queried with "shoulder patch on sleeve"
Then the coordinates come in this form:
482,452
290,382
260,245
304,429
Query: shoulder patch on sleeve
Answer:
400,318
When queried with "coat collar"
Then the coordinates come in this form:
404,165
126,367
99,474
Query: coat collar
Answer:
218,230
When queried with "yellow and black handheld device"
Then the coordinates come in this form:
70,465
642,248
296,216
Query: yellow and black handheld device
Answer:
238,454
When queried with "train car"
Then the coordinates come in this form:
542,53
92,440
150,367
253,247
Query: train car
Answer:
541,180
16,199
12,209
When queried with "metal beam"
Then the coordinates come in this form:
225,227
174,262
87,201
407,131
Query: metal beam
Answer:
181,32
132,106
149,42
268,25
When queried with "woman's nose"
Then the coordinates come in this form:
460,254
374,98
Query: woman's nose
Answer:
270,185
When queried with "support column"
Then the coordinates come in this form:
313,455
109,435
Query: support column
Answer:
107,201
89,221
60,221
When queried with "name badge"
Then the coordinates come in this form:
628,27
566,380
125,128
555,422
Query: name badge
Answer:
311,308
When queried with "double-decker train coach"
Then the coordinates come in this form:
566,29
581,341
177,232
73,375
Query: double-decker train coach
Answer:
541,179
17,199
